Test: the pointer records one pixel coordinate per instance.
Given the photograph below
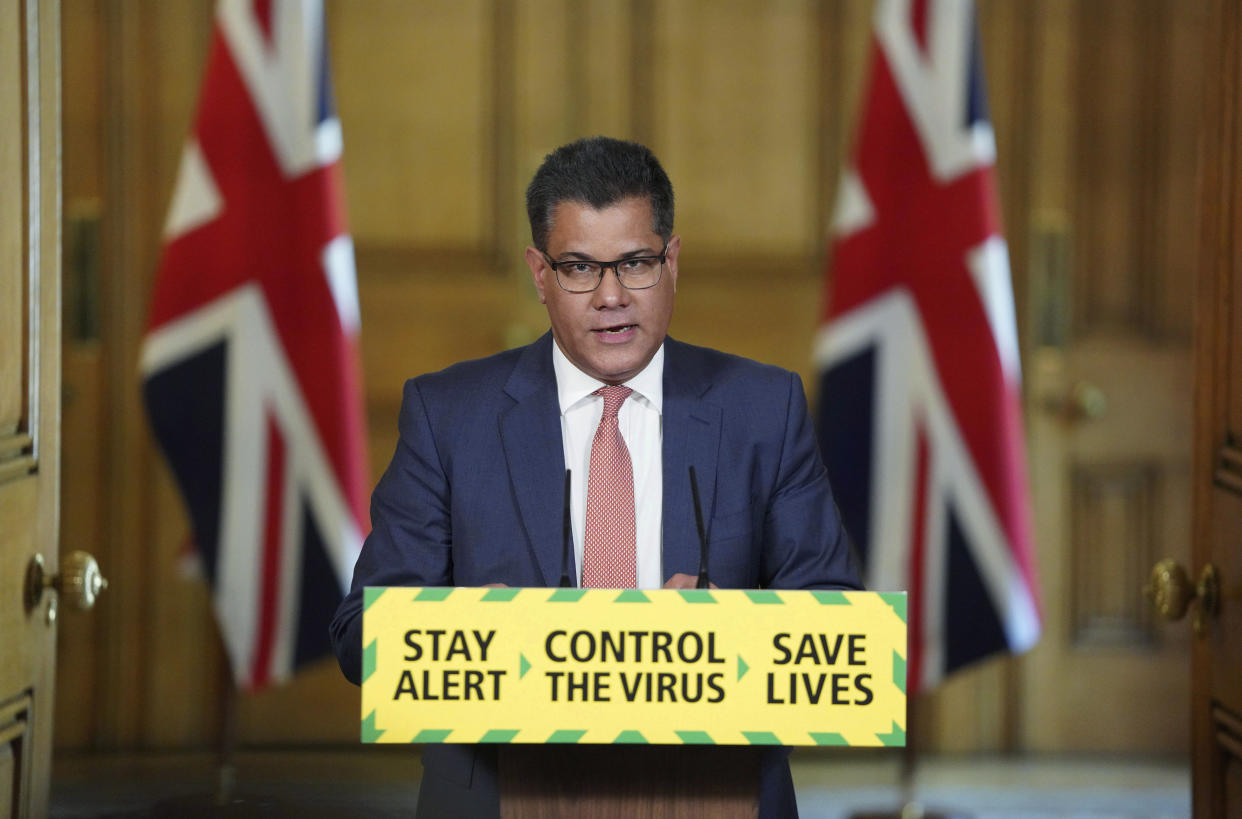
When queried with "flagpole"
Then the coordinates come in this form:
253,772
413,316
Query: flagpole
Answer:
223,800
226,748
909,763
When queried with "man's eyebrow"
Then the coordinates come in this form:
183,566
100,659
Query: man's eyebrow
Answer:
587,257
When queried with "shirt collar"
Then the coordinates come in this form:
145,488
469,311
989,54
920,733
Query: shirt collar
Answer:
573,385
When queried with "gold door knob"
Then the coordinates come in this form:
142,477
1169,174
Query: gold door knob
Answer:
79,581
1171,593
1083,402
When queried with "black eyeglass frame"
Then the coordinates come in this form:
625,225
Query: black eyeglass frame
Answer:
603,270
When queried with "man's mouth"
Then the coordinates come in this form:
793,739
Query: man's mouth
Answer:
615,331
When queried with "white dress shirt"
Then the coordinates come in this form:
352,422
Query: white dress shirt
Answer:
641,426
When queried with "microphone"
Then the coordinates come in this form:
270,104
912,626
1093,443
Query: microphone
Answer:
566,539
704,582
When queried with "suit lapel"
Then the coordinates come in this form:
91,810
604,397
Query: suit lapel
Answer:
530,432
691,438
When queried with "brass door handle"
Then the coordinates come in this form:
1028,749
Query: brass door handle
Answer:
1083,402
79,582
1171,593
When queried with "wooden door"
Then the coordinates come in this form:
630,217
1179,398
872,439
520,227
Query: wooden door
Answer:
1216,665
1112,251
29,393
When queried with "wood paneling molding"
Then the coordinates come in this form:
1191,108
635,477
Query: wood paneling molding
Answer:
14,446
376,259
1115,510
15,756
1229,468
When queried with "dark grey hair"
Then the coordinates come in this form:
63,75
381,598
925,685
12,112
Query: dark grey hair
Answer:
599,171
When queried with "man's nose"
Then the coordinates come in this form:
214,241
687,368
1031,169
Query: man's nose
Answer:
611,293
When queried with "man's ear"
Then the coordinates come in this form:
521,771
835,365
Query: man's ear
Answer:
539,272
670,258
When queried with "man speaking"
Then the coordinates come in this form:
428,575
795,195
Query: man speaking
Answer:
474,493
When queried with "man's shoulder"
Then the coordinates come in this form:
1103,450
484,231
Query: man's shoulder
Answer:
495,366
475,377
719,369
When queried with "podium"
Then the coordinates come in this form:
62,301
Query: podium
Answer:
663,703
620,782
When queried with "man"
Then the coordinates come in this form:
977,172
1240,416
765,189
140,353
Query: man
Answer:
474,496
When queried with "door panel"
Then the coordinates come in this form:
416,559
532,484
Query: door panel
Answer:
29,394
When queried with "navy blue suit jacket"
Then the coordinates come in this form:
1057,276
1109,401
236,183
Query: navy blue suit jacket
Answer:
474,494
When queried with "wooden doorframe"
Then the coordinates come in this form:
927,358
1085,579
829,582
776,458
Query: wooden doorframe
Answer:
1216,682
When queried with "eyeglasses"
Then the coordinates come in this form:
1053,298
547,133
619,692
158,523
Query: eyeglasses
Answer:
634,273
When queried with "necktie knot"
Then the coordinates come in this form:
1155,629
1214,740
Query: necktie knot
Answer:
614,397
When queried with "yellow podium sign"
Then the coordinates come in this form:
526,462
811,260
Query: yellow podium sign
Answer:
725,667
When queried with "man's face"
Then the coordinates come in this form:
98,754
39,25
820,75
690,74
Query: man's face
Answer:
610,333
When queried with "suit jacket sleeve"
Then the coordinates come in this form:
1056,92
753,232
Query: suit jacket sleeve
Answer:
804,543
411,536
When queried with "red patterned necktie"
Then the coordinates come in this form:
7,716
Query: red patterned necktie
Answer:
608,553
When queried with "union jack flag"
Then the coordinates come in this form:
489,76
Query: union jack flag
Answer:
250,361
920,415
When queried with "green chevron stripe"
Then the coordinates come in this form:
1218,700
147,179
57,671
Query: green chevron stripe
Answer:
831,598
630,738
697,596
368,659
696,737
499,595
897,601
828,739
498,735
523,666
370,594
742,668
764,597
566,735
566,595
895,738
433,595
899,671
632,596
761,738
430,735
369,732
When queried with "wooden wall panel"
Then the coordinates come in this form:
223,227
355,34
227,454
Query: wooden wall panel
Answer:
433,190
738,80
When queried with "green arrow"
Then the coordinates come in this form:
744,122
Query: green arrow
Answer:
523,666
369,732
369,655
897,601
742,668
895,738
